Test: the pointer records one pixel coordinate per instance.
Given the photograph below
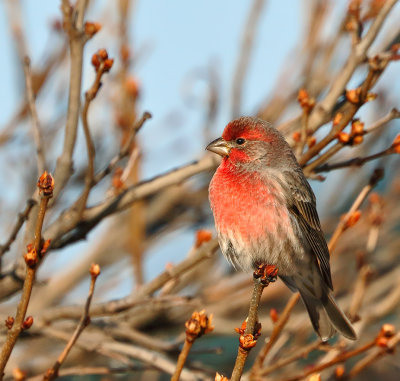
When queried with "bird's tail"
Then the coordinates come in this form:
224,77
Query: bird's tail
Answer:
327,317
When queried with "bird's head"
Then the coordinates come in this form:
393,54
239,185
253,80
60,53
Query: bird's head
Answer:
250,140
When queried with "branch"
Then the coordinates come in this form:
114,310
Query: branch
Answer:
251,328
74,27
244,56
52,373
22,217
357,56
124,150
102,65
198,325
63,232
204,252
41,160
357,161
343,224
35,251
276,331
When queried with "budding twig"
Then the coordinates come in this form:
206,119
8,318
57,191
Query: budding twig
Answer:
276,331
102,65
32,258
198,325
251,328
341,227
52,373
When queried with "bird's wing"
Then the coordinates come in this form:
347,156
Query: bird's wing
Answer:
304,208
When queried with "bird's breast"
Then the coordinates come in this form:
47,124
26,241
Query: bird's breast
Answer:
248,205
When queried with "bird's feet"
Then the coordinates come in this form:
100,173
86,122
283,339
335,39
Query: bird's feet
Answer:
266,274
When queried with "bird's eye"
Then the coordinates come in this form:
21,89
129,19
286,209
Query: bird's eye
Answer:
240,141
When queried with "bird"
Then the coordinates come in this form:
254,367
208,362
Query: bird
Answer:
265,214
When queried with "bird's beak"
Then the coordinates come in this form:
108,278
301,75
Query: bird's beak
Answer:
220,147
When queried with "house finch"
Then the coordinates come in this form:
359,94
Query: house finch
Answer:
265,214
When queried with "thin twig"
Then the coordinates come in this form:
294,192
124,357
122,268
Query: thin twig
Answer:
357,161
244,55
276,331
357,56
341,227
373,356
251,328
63,232
124,150
91,153
181,360
302,353
52,373
205,251
46,185
22,217
74,27
41,160
341,357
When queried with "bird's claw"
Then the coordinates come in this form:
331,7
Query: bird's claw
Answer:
266,274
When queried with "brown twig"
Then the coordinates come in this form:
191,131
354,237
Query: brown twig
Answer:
341,227
276,331
251,328
104,66
204,252
73,23
22,217
373,356
302,353
92,216
41,160
341,357
357,161
52,373
198,325
356,57
244,55
46,186
124,150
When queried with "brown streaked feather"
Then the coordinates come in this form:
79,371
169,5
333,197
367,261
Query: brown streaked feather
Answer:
304,208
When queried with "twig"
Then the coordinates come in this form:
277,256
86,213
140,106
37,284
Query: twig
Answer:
276,331
198,325
357,161
62,231
104,66
302,353
52,373
204,252
77,38
244,55
341,357
22,217
317,167
90,370
357,56
41,160
46,186
341,227
124,150
359,292
373,356
251,328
